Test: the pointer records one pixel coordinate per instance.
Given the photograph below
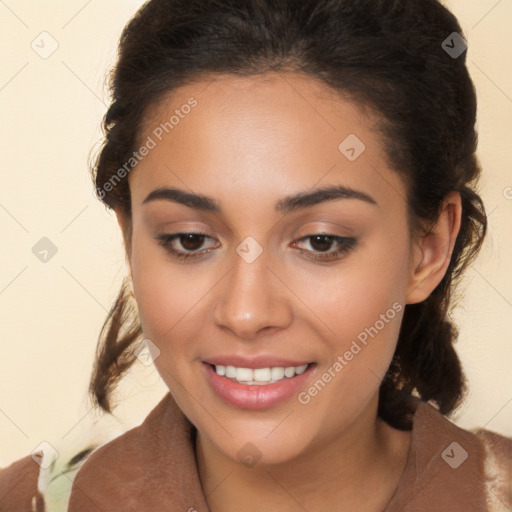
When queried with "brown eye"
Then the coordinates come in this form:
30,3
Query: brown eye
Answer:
191,241
322,243
188,246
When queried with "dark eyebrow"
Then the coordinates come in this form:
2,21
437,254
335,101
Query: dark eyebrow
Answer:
198,202
319,195
285,205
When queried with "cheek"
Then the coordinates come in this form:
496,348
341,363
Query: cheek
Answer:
362,305
353,295
168,295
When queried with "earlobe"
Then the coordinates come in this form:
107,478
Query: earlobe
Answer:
432,253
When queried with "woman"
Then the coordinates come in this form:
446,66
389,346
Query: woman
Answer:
295,184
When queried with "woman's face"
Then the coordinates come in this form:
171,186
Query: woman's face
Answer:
284,276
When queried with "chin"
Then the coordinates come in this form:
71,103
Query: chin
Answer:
261,452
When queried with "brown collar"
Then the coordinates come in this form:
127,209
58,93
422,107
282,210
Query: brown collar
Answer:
152,467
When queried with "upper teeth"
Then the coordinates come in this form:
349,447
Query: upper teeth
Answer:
259,375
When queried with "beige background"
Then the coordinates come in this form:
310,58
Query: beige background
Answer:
51,313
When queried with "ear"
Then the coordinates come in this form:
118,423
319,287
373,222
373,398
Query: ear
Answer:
431,254
125,224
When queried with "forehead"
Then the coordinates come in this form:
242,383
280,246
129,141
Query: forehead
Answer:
257,135
288,103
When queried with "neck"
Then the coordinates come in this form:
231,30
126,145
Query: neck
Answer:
358,469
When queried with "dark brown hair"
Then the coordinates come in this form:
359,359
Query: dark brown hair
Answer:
384,54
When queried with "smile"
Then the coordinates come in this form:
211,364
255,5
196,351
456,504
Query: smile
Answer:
259,376
257,388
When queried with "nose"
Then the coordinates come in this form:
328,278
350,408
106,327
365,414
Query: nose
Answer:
253,300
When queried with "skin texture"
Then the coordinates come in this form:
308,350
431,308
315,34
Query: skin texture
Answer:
248,143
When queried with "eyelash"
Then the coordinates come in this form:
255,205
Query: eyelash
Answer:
346,244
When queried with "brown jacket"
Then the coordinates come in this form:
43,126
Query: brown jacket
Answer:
152,468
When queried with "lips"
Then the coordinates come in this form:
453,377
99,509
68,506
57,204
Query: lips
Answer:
255,395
